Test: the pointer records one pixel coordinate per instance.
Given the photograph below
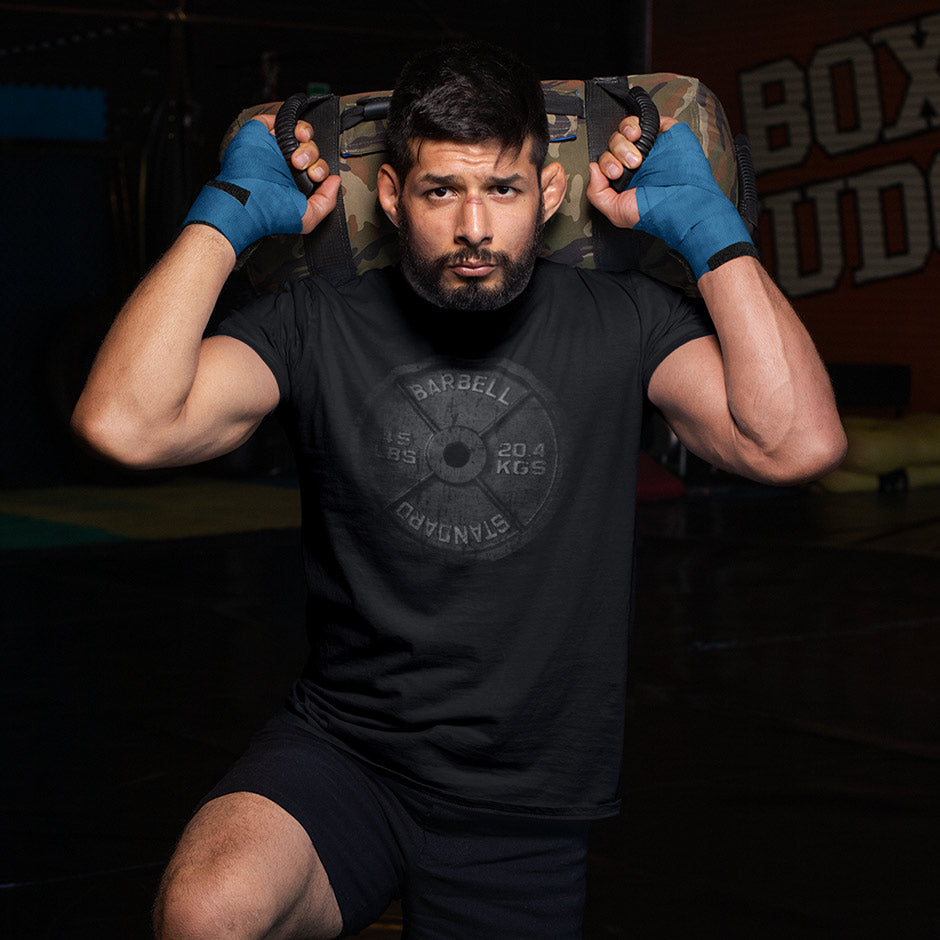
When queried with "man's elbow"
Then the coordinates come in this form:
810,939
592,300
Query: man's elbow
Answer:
113,438
815,455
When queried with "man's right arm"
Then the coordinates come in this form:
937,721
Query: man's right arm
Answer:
160,395
156,394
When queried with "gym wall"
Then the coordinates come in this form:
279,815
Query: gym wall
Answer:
841,102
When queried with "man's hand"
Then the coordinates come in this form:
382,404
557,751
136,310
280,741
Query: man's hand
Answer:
620,208
307,157
674,196
254,194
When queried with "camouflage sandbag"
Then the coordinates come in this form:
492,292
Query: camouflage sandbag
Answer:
350,131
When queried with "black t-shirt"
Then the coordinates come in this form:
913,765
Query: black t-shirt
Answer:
468,487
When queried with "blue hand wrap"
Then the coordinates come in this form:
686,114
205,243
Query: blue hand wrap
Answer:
254,194
680,202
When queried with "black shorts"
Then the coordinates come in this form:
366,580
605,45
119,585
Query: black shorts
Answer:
459,875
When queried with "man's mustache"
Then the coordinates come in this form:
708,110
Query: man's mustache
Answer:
473,256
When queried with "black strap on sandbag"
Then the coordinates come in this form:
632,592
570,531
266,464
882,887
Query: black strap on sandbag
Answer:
327,247
365,109
606,105
558,103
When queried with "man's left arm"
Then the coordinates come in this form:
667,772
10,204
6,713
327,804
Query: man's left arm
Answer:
755,399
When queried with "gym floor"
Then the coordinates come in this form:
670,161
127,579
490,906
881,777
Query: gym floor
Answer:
781,773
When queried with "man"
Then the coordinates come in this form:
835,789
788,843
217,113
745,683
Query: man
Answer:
466,432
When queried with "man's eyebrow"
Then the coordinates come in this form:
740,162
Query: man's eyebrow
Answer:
453,180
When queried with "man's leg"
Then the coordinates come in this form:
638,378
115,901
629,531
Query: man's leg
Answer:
502,879
245,868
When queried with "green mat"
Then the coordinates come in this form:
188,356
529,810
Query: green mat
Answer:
75,515
23,532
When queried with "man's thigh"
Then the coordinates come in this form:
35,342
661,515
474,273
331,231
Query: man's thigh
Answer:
353,828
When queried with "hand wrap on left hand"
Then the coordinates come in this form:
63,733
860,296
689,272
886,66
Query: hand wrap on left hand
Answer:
680,202
254,194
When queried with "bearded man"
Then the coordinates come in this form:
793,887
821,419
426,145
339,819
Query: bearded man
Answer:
467,428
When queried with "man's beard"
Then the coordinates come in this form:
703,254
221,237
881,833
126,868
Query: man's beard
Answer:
426,274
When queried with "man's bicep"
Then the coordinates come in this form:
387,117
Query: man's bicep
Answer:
233,391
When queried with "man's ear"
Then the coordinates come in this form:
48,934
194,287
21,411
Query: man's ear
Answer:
554,184
389,190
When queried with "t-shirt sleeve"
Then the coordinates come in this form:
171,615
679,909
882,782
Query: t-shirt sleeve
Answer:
668,320
275,327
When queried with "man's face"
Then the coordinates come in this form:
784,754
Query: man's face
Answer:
470,223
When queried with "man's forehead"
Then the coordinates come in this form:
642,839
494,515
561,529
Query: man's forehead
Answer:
432,156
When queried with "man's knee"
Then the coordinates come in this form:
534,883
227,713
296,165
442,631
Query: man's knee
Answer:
191,906
205,905
245,869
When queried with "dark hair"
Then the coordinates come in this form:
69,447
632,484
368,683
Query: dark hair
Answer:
467,92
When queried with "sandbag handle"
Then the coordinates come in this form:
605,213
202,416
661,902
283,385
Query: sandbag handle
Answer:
639,104
648,114
295,109
748,203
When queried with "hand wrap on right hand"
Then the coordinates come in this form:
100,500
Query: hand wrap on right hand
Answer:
680,202
254,194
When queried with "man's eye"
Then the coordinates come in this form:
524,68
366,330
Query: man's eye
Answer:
503,190
439,193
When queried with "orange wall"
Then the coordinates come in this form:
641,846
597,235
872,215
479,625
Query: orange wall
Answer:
841,102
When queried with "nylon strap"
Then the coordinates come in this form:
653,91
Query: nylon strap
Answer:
615,249
327,247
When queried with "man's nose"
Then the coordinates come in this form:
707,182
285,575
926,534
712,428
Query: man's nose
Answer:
473,224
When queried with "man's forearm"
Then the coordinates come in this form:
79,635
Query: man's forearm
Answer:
147,363
778,390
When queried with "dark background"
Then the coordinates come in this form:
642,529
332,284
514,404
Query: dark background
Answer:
781,772
82,220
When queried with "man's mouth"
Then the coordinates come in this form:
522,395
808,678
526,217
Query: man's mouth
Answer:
473,268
